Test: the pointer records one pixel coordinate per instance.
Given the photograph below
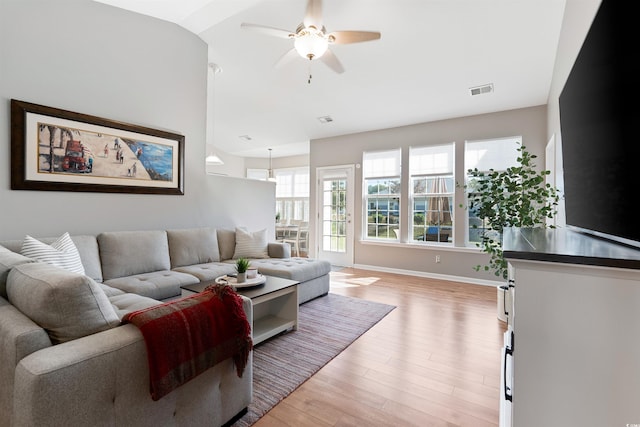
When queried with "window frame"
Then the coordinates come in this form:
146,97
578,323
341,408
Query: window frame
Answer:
295,205
480,228
390,179
437,169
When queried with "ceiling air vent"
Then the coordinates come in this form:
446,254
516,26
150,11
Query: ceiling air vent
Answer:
479,90
325,119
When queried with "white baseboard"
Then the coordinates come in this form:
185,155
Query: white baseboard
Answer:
429,275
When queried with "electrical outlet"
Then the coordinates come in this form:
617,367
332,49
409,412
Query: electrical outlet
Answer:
437,259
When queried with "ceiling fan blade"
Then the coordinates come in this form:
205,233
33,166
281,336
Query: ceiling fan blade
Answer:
289,56
346,37
313,14
332,61
276,32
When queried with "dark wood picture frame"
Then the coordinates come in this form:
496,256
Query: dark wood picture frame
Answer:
91,154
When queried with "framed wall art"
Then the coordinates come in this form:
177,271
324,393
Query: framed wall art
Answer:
58,150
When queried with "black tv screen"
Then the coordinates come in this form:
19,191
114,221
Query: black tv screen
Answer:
600,129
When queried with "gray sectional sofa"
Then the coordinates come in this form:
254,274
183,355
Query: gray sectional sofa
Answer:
65,358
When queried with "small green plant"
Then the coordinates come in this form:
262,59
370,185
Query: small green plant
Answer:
516,197
242,264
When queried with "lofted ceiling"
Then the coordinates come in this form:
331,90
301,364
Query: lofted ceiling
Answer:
429,56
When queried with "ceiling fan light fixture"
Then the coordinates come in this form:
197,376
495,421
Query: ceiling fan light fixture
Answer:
311,40
311,43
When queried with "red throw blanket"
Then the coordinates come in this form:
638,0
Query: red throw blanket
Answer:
186,337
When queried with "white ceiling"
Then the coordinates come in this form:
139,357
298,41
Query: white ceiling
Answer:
430,53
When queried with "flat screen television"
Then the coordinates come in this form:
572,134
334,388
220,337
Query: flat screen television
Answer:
600,129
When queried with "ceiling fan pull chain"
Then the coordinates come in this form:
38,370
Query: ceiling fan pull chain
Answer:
310,76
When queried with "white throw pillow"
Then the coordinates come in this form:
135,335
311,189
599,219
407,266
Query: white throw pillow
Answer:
251,244
61,253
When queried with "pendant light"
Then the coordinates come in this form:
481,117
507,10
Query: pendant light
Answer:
270,177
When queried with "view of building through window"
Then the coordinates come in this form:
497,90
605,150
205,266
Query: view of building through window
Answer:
381,173
431,193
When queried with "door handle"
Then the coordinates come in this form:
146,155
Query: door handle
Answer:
508,395
508,351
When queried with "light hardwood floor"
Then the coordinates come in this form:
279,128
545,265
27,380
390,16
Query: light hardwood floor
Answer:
433,361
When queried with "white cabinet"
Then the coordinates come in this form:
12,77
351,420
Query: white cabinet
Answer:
506,379
576,323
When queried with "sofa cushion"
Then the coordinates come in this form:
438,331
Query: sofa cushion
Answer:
61,253
126,253
158,285
193,246
226,243
89,254
279,250
9,259
67,305
109,291
126,303
251,244
208,271
300,269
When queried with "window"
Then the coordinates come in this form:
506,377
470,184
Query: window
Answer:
381,173
292,194
431,193
334,217
496,154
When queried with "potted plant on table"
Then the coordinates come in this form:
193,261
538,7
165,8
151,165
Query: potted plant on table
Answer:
242,264
516,197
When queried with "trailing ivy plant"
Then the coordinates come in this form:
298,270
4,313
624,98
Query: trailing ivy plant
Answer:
516,197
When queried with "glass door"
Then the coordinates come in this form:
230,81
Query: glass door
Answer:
335,215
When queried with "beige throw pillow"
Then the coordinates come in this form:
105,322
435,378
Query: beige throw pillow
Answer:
251,244
61,253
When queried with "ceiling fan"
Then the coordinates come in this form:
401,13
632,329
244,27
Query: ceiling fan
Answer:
311,39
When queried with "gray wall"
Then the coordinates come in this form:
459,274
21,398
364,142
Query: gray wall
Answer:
458,261
91,58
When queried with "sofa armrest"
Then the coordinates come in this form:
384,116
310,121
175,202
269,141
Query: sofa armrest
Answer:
103,379
19,337
76,378
279,250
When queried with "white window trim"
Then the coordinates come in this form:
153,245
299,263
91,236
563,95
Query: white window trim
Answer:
448,171
366,197
514,139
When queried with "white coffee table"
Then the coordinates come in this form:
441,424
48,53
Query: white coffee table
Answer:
275,305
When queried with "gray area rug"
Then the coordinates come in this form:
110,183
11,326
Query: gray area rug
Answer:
327,325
